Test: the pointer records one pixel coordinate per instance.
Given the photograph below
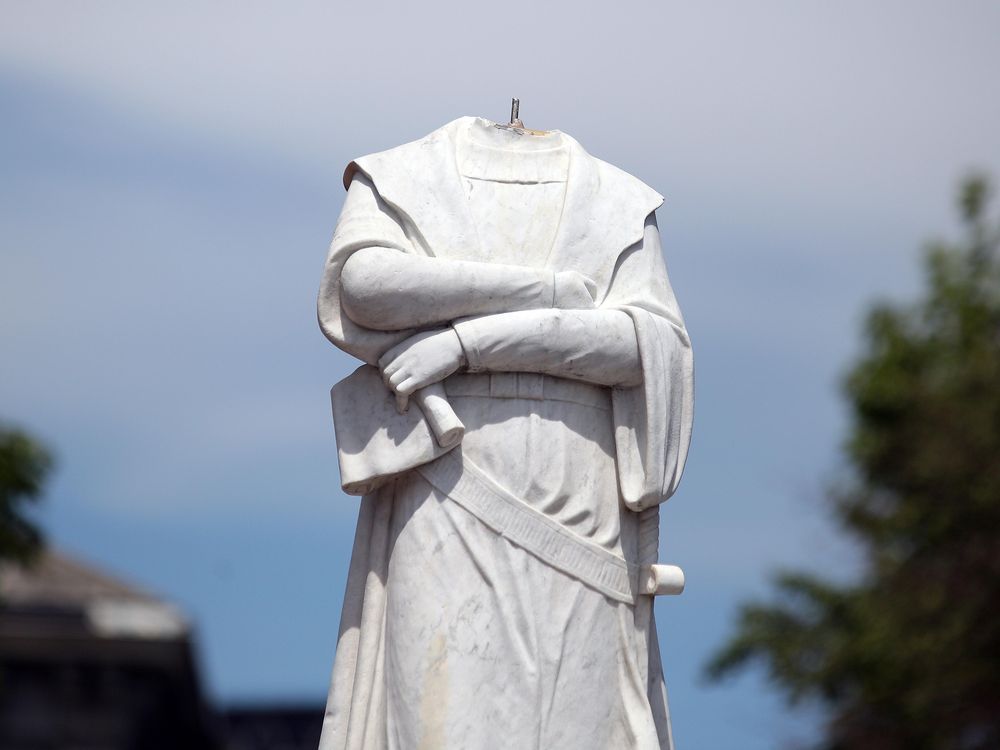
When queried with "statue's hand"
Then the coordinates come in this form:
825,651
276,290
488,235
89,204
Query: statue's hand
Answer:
419,361
574,291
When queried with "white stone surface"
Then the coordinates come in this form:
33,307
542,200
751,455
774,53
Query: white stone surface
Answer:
514,286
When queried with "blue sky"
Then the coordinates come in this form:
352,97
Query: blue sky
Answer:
170,178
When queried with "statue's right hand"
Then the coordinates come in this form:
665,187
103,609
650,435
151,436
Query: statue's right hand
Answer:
574,291
427,357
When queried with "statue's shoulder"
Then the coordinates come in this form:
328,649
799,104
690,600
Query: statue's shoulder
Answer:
419,158
625,186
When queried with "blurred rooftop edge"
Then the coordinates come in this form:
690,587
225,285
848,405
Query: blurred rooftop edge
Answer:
91,663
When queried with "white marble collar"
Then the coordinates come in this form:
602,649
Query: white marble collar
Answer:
487,152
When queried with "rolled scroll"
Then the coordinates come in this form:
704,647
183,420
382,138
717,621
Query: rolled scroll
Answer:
660,580
441,418
375,442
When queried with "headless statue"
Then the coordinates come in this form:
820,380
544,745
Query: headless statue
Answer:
508,285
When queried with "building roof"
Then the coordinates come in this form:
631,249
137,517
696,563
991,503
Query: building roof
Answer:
56,579
112,607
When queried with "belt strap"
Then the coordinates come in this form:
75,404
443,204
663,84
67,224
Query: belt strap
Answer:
547,539
527,385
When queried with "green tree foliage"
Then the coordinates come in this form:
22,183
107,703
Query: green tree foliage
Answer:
24,464
909,655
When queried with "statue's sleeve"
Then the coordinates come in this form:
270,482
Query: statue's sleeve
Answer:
365,221
652,420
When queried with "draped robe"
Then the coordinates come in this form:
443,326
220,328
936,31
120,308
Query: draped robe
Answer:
452,635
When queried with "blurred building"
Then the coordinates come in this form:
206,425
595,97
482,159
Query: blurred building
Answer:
261,727
90,663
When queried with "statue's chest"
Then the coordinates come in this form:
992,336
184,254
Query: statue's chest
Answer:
515,222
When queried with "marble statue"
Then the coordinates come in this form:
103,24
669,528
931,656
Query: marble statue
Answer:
523,408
